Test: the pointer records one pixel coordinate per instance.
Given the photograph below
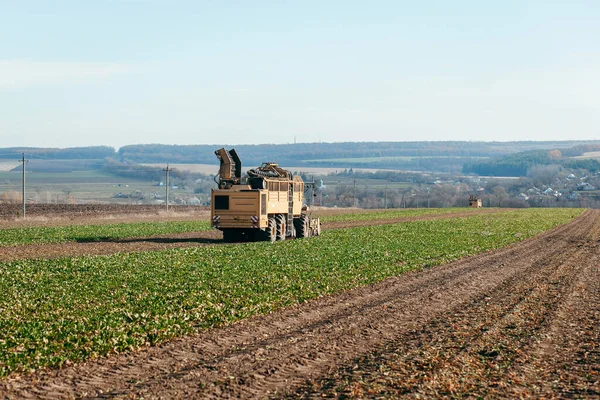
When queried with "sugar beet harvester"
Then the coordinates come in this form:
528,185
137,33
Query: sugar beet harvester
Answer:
266,204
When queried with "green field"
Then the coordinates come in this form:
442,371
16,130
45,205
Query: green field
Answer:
379,160
58,187
81,184
595,155
395,213
107,232
72,309
364,183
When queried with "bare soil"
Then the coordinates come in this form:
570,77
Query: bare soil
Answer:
522,321
95,214
13,211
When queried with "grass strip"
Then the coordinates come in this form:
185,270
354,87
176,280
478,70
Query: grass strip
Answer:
71,309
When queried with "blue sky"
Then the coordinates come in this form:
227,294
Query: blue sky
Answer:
117,72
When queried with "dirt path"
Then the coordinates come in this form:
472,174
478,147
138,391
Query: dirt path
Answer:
171,241
73,214
520,321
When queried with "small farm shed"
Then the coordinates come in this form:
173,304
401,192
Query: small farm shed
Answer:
474,202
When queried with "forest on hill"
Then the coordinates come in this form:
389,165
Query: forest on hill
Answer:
434,156
520,163
480,158
70,153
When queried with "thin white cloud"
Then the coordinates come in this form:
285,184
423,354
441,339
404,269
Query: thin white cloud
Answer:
22,73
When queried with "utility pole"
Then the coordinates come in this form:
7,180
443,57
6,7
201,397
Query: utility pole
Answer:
167,184
354,194
24,161
312,193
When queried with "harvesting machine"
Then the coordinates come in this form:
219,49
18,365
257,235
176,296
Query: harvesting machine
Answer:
266,204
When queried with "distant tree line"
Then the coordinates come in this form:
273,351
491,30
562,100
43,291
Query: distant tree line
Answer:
71,153
579,150
130,169
519,164
62,166
133,170
482,158
390,176
297,154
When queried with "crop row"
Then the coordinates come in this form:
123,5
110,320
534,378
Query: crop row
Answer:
96,233
73,309
394,213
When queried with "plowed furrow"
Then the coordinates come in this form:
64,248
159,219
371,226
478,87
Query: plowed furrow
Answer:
470,351
566,359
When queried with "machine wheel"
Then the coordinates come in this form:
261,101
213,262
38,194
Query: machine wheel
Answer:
270,233
301,225
316,231
281,228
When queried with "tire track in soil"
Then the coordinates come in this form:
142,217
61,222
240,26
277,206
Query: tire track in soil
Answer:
276,355
470,351
567,358
183,240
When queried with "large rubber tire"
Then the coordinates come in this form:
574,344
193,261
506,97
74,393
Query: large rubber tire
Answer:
281,226
317,227
301,225
270,233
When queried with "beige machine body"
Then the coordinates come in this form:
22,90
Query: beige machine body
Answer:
268,203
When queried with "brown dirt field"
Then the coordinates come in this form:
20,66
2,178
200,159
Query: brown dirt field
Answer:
84,214
163,242
522,321
13,211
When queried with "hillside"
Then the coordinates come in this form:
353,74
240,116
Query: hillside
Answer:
447,156
520,163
